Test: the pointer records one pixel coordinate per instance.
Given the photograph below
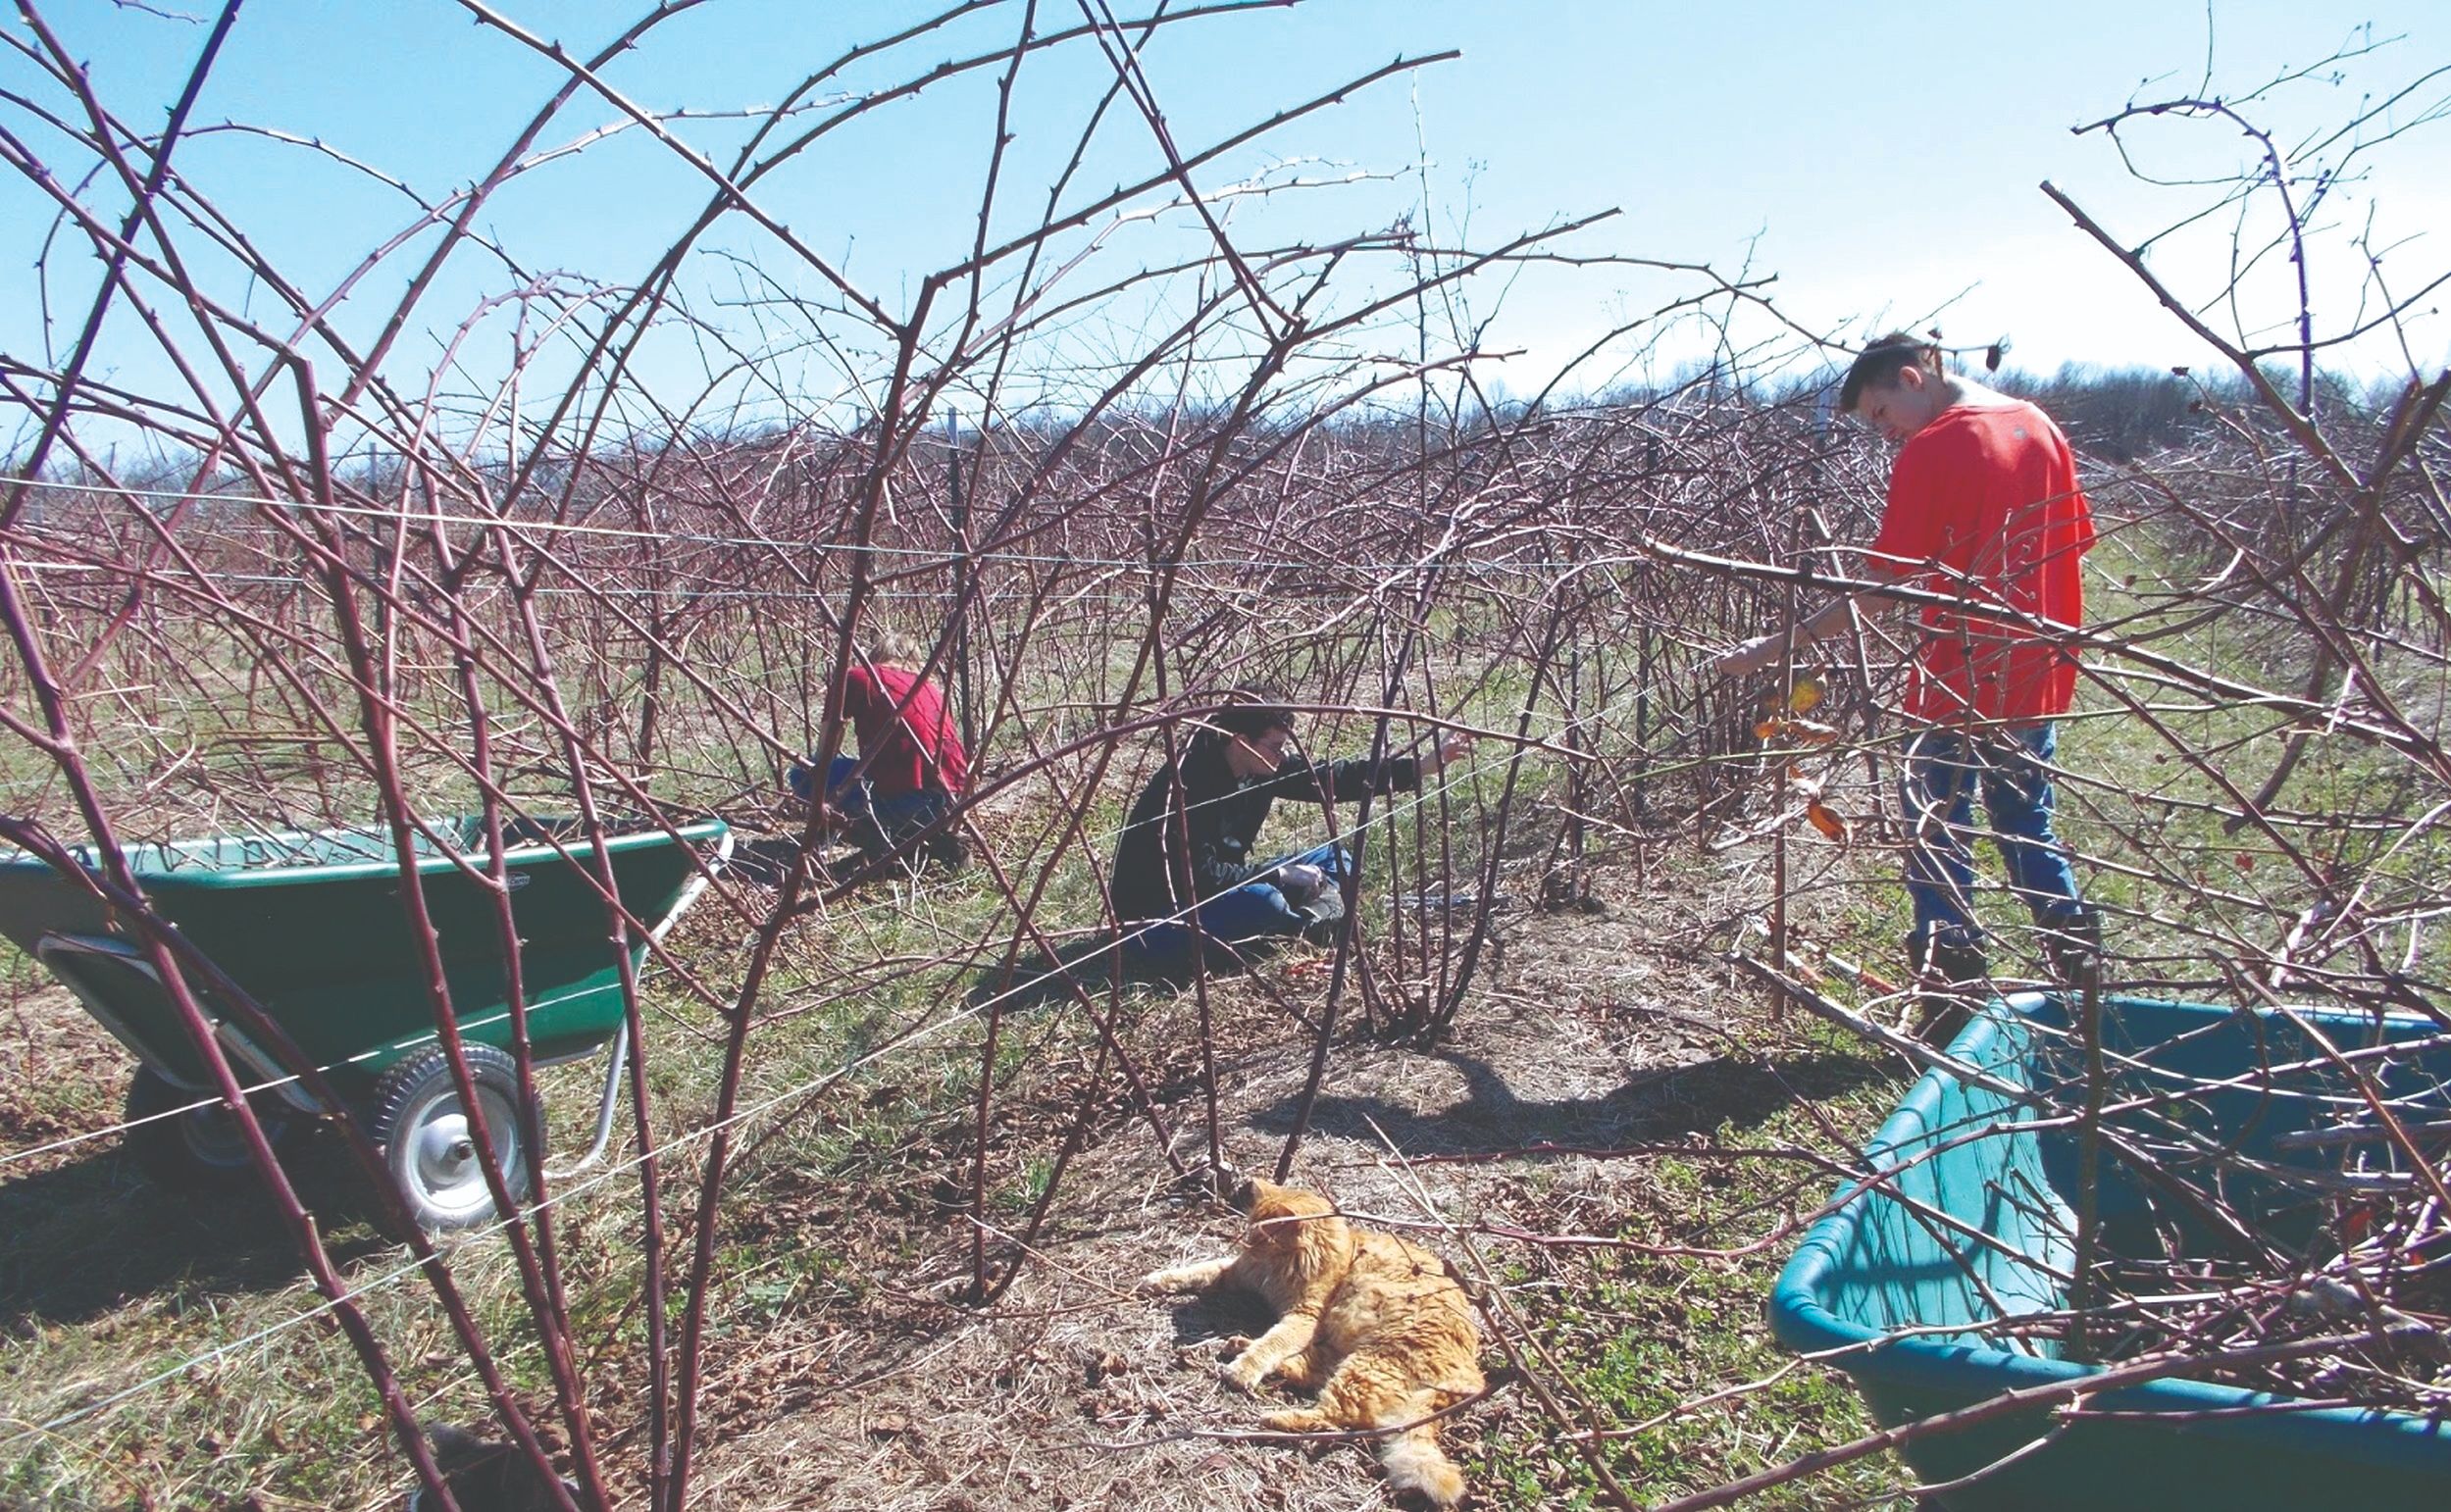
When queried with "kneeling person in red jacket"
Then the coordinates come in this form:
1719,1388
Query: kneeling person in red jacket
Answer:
911,767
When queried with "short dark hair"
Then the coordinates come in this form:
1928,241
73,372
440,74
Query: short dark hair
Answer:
1253,712
1877,366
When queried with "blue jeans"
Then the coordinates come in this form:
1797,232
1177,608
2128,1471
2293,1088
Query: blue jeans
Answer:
1256,910
876,824
1943,768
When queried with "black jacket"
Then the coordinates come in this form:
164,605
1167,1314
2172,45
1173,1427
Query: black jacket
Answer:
1220,817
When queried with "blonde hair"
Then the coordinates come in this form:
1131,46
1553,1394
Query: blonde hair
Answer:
893,648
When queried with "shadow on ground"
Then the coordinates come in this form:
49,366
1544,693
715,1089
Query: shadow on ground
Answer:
1706,1096
769,860
766,860
1091,965
85,1238
1224,1318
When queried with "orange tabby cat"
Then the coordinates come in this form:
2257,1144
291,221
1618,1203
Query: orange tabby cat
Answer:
1378,1325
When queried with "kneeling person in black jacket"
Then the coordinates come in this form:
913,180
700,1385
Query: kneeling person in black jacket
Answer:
1180,866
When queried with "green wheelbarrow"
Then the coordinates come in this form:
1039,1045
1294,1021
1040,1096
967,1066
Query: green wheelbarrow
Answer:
311,925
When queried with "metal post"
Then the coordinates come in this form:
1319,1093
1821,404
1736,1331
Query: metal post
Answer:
958,507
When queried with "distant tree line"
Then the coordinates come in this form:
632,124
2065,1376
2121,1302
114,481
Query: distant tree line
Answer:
2125,414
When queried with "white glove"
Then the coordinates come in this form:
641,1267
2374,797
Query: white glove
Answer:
1300,881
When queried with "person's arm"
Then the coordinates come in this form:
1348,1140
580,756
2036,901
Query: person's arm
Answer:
859,694
1831,619
1916,521
1350,779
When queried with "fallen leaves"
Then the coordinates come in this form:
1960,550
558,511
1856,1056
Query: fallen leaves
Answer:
1802,732
1826,819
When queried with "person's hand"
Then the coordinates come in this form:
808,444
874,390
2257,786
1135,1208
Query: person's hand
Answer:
1449,747
1300,881
1748,657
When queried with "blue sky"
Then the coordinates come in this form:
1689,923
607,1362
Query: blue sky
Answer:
1881,160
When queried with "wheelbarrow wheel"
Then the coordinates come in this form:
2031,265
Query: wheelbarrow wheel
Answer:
430,1142
187,1147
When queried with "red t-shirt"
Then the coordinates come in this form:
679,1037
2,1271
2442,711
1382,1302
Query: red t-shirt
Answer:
920,749
1984,504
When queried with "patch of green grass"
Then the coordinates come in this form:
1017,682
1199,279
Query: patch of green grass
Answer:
1642,1337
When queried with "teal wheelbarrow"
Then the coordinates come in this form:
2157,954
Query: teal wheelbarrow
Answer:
311,926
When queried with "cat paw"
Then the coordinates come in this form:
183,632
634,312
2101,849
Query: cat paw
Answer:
1299,1419
1242,1376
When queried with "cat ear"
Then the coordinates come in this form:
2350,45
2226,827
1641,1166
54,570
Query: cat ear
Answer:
1237,1189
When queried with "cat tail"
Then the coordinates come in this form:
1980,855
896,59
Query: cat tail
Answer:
1413,1460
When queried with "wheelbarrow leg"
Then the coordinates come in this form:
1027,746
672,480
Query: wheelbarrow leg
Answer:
606,1102
609,1098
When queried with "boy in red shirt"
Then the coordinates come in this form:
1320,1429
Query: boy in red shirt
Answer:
1984,506
911,767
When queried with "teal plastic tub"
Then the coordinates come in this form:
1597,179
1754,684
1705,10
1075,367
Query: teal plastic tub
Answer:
1900,1295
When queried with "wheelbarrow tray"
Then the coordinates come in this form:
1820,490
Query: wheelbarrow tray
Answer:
313,926
1874,1267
